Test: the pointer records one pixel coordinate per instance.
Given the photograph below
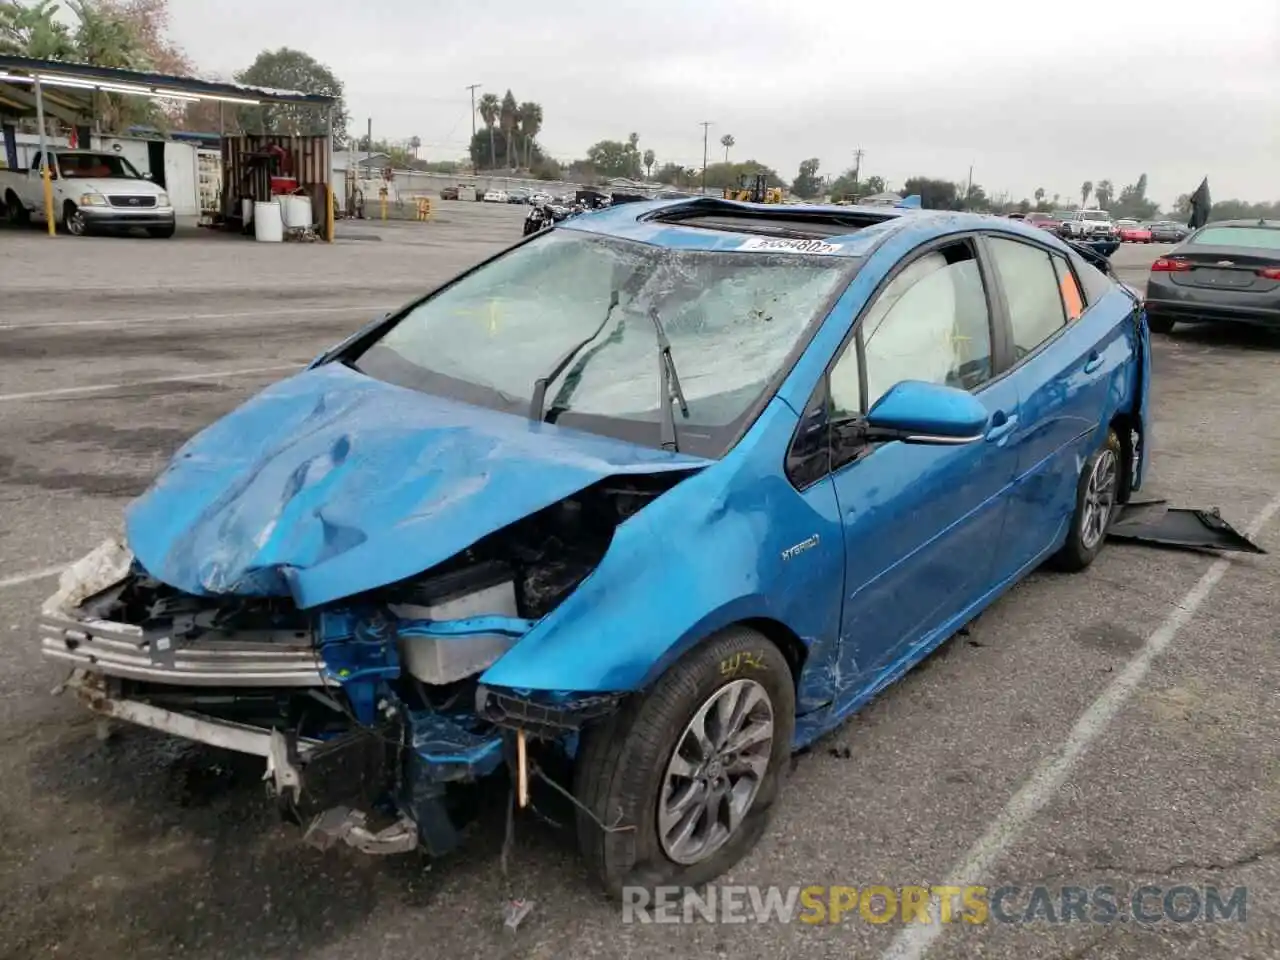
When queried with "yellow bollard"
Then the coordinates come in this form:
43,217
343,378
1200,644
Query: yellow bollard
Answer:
329,211
382,194
48,201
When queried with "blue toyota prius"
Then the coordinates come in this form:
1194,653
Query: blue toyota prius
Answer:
639,506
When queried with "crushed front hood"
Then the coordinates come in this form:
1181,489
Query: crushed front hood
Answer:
330,483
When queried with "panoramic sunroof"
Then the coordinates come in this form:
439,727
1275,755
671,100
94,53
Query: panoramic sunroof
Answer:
786,221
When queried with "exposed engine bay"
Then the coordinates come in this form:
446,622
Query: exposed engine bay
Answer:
365,706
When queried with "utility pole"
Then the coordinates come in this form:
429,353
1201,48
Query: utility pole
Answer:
472,88
706,124
857,166
968,191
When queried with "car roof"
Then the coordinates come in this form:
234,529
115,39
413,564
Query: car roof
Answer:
711,223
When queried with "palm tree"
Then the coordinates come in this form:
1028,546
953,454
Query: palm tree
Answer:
1086,188
649,158
530,116
489,109
509,114
1039,195
727,141
415,144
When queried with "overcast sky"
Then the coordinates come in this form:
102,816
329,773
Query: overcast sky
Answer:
1032,95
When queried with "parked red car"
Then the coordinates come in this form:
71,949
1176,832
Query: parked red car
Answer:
1044,221
1134,233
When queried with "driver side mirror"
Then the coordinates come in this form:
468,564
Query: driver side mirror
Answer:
917,412
148,175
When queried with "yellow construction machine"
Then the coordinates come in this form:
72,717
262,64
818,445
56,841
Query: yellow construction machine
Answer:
754,188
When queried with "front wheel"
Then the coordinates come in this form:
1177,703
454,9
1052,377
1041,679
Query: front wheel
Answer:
73,220
1097,501
679,785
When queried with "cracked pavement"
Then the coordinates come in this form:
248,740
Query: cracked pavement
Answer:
149,848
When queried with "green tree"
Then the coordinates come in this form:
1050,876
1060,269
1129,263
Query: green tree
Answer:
1133,203
615,158
33,30
508,117
672,174
846,187
807,185
415,144
721,175
489,147
490,108
1103,194
1039,195
935,194
289,69
530,116
648,159
727,142
1086,188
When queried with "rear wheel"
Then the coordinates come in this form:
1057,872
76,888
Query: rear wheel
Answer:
17,213
689,770
1097,500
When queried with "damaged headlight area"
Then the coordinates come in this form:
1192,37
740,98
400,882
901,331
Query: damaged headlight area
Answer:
367,712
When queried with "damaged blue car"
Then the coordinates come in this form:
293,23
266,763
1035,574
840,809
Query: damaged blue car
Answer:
655,497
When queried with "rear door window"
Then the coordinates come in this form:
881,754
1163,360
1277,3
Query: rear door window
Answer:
1031,288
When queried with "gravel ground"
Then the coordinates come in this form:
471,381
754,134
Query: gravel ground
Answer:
148,848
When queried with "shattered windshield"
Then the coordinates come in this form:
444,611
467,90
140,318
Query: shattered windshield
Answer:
731,318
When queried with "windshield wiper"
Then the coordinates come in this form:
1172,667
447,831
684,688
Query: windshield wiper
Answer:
539,399
669,385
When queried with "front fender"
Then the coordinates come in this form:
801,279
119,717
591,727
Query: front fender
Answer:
708,553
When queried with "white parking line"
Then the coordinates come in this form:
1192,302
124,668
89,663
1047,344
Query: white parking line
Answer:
914,941
357,308
22,578
103,387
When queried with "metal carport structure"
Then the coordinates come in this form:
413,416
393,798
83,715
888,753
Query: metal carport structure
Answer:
65,90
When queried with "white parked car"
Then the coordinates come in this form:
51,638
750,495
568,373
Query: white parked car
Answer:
1089,223
92,190
495,196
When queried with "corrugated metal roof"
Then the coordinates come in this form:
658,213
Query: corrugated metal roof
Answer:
196,86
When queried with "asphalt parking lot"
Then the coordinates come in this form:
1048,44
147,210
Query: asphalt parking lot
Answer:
1117,727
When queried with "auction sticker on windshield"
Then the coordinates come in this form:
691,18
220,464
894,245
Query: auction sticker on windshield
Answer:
784,245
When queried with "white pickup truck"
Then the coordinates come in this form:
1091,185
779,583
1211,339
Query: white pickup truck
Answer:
92,190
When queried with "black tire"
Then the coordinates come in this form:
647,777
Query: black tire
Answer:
16,212
161,233
1085,541
1159,324
73,221
622,765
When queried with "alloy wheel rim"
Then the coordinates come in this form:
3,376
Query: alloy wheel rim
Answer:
715,771
1099,499
75,223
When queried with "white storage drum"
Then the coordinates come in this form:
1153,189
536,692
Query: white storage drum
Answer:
297,212
268,226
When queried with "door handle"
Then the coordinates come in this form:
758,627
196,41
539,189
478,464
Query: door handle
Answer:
1002,426
1093,363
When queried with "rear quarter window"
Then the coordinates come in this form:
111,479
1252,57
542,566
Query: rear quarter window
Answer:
1096,283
